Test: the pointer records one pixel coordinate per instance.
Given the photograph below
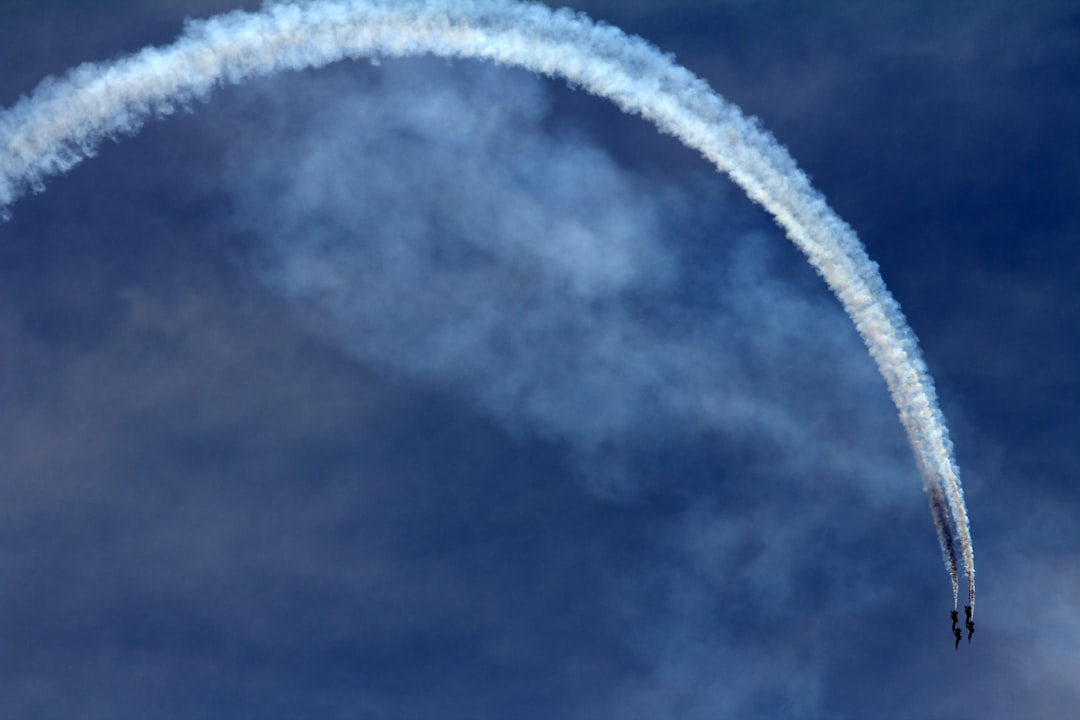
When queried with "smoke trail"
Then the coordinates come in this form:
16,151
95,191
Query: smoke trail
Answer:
64,120
945,538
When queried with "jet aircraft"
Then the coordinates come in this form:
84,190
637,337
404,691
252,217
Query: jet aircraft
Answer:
956,632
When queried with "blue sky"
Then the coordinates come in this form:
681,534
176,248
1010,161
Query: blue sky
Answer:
437,390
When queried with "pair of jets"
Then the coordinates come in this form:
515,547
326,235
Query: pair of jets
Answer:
968,622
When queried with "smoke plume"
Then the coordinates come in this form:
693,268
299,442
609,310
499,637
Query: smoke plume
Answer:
65,119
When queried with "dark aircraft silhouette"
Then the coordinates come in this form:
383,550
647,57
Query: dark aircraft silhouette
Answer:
956,632
967,613
971,629
955,618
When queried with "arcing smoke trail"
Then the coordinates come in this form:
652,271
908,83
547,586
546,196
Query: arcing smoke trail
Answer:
64,120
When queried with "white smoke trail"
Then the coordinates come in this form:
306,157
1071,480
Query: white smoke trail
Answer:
64,120
945,538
